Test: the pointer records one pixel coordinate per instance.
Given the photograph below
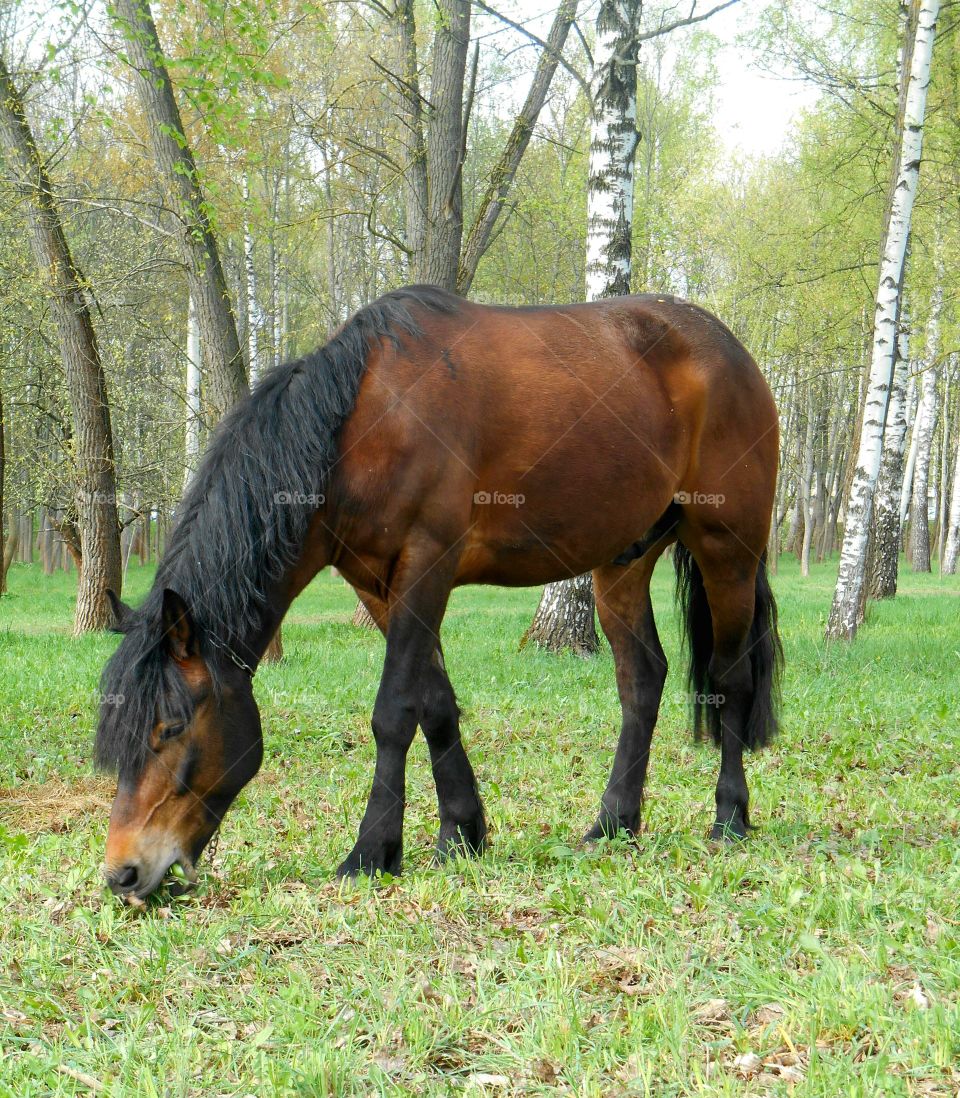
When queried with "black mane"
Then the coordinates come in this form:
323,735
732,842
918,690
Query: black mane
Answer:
245,516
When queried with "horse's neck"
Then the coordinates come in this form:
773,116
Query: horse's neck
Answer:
314,558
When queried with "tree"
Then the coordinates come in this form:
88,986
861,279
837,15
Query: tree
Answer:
209,293
4,563
96,492
885,547
436,141
192,409
848,604
222,353
952,545
925,427
565,616
505,170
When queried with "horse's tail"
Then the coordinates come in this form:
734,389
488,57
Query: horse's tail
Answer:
764,651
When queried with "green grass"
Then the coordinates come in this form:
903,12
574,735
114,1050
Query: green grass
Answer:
642,968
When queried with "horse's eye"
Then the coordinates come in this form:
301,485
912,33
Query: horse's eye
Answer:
171,730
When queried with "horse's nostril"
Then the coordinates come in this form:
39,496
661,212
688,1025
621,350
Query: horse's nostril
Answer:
125,877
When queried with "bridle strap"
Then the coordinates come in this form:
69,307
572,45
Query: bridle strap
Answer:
231,655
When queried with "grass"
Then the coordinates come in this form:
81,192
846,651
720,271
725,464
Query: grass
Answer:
820,959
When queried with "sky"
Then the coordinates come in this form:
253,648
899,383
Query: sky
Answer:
755,109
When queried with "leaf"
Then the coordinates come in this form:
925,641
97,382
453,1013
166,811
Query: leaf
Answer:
747,1064
810,943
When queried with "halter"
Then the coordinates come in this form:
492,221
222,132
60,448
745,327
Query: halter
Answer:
225,648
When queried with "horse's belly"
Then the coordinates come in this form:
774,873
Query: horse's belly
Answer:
542,542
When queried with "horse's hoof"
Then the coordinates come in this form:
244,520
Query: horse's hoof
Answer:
730,832
464,840
609,827
365,863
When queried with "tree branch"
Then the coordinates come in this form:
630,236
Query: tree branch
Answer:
502,176
519,27
666,28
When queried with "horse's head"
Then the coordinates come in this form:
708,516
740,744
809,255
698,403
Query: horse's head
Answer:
182,729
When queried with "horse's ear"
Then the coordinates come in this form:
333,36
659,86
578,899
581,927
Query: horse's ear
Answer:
120,611
178,627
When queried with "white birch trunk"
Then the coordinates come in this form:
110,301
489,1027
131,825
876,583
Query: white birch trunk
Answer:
924,431
192,435
565,617
907,487
847,611
806,482
952,549
886,525
613,142
943,502
250,278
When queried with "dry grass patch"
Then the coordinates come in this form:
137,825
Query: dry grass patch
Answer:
54,806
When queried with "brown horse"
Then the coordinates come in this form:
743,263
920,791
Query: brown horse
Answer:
435,442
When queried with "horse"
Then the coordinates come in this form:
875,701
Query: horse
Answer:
434,442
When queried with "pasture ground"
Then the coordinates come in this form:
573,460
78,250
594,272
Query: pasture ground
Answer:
821,958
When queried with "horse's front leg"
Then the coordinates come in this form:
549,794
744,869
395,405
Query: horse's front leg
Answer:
463,826
415,613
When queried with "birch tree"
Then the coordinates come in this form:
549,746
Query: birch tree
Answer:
565,616
925,427
952,547
92,436
885,548
254,313
847,611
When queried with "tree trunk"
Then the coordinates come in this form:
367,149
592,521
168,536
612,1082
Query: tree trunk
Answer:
333,271
906,489
4,560
223,357
806,484
26,538
885,545
564,620
925,428
254,316
613,142
92,436
565,616
362,617
4,564
944,477
919,503
952,549
848,604
191,446
445,145
411,105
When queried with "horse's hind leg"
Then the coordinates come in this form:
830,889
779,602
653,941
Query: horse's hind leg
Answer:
626,615
737,703
463,826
